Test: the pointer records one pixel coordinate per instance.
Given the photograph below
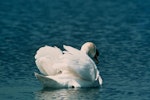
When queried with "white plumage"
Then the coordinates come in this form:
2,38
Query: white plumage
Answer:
69,68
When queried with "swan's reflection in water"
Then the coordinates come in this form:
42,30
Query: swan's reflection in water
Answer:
68,94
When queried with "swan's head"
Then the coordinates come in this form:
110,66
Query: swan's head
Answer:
90,49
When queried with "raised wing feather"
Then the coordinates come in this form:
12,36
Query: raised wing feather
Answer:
48,51
46,57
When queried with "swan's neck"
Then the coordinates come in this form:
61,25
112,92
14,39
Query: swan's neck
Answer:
90,51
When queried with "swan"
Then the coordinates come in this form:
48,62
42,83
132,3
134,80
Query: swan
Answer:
71,68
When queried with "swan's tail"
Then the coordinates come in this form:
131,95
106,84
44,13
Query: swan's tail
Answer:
45,58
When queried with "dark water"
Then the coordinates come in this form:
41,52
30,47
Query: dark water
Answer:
119,28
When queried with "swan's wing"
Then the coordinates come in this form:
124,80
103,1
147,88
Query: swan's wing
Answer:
60,81
45,58
48,82
80,64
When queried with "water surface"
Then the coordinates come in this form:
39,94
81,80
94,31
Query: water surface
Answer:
119,28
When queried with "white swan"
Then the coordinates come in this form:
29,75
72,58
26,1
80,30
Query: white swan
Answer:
69,68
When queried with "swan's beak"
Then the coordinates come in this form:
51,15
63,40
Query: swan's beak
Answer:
96,57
